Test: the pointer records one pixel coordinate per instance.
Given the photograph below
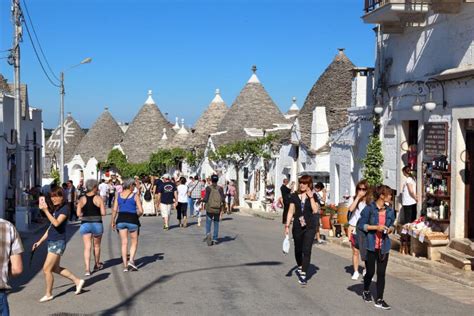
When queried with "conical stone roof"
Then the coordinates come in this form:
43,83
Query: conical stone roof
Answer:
253,108
73,135
333,91
101,138
210,120
145,132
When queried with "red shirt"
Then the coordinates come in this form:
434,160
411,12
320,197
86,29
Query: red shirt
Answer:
378,235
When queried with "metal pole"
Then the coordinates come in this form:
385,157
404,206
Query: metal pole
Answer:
61,129
17,114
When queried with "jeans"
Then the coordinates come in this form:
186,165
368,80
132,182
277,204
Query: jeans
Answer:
72,212
209,219
191,206
303,239
111,200
4,308
382,261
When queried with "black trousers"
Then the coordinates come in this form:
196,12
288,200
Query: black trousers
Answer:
182,209
72,211
374,257
303,239
110,199
286,206
409,213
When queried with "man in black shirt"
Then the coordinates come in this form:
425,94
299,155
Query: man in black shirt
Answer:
285,195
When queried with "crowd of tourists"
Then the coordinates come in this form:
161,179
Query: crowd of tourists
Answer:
371,219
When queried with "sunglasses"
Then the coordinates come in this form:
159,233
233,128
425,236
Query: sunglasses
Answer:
362,189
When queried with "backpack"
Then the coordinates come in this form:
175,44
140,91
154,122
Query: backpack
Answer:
147,195
215,200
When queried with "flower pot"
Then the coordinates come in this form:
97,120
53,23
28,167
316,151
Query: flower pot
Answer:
326,221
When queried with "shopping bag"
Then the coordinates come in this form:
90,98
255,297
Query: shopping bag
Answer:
286,245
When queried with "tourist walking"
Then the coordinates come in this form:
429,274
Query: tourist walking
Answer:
90,210
125,218
167,196
230,196
214,202
321,196
71,200
194,194
148,202
376,221
304,211
55,235
111,193
11,262
285,199
103,188
356,205
181,204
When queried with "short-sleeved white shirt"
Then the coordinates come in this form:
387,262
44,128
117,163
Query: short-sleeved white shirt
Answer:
407,199
356,213
182,193
103,189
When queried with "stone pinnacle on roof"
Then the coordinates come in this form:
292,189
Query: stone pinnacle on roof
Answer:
294,109
150,100
217,98
294,106
164,137
332,90
176,125
254,78
182,130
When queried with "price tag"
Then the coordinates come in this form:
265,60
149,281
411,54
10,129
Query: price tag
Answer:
421,238
404,231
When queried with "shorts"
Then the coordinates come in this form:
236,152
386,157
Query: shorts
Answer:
165,209
94,228
129,226
57,247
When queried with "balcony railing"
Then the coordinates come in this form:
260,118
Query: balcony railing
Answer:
371,5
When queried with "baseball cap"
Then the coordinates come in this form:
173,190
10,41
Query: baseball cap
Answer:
166,176
214,178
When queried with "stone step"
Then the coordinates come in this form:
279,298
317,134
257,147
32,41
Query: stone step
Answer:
463,245
457,259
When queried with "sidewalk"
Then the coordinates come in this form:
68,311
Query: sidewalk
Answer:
439,269
258,213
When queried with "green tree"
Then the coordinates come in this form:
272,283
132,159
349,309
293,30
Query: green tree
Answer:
373,161
239,153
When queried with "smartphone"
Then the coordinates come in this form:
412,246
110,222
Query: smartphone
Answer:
42,202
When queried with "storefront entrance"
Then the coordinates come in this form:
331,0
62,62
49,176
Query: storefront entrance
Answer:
469,184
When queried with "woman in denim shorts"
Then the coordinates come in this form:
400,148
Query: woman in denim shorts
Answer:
125,213
90,210
57,213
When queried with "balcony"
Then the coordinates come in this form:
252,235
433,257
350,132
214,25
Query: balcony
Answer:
394,15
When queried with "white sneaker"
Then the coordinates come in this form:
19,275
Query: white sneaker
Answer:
355,276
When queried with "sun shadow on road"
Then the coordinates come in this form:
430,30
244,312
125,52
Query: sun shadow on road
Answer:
312,270
144,261
125,305
226,239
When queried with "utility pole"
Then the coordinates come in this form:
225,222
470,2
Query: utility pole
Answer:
16,12
61,130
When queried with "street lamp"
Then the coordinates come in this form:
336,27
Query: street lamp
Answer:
417,106
61,114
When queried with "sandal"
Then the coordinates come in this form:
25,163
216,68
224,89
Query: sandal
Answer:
46,299
98,267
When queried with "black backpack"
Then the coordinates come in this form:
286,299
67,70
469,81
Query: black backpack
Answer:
147,195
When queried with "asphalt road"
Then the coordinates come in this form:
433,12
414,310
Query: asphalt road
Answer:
245,274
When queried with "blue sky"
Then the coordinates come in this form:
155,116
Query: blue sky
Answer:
182,50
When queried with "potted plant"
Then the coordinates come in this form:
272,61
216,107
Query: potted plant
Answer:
328,212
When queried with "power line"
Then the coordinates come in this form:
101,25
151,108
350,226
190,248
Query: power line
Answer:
38,41
37,56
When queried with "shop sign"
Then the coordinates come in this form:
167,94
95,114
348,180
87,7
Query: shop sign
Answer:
436,140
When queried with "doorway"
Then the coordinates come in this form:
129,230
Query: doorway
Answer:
469,216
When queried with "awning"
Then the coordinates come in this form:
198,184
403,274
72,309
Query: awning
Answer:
454,73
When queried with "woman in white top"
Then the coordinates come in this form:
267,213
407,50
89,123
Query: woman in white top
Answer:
147,197
409,198
182,204
356,205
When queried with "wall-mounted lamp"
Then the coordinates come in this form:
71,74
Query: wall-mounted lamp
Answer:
430,105
417,106
378,109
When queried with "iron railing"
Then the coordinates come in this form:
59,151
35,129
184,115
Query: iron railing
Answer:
371,5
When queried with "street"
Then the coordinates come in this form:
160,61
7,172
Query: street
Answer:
245,274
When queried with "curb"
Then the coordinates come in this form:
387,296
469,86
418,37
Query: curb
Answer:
413,264
259,214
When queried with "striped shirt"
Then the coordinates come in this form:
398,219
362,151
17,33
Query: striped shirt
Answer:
10,244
